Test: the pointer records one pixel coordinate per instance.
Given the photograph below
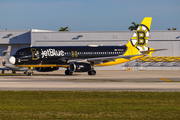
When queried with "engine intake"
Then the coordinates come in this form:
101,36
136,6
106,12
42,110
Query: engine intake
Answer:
80,67
46,69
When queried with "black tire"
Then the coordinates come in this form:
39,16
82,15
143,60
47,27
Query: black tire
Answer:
93,72
29,74
2,71
68,72
13,72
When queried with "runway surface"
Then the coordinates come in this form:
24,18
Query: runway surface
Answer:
168,81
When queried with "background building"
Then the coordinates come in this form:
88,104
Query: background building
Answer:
14,38
158,39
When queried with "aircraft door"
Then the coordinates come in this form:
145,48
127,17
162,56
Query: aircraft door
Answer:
35,54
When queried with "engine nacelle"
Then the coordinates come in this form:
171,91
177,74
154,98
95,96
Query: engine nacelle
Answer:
80,67
46,69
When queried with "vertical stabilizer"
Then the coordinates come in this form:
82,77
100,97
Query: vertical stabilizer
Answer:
6,54
141,35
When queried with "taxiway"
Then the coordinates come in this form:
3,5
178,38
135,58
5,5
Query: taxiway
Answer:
168,81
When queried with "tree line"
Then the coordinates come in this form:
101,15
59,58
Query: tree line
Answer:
134,26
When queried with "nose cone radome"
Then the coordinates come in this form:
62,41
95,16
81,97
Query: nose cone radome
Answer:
12,60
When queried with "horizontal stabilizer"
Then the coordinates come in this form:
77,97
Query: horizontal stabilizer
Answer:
148,51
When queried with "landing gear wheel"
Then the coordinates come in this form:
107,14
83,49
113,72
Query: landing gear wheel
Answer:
2,72
25,72
68,72
13,72
92,72
29,74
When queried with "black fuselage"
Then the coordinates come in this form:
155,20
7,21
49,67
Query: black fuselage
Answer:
61,54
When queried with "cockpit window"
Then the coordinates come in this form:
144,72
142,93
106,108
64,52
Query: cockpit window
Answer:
17,53
20,53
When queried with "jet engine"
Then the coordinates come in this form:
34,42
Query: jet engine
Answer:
46,69
80,67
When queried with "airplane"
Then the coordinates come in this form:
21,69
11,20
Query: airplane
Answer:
10,66
84,58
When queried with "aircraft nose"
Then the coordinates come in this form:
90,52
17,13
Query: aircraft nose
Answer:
12,60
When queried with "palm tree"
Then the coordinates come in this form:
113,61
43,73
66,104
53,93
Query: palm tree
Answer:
172,29
63,29
134,27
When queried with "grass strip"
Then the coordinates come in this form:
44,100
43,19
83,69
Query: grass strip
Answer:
21,105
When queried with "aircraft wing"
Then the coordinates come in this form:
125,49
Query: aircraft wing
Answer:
103,59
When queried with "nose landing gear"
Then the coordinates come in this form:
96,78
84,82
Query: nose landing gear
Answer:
30,72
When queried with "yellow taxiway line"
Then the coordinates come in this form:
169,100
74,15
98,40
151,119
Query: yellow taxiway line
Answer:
165,79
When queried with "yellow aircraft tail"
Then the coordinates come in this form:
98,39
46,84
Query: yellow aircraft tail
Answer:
139,40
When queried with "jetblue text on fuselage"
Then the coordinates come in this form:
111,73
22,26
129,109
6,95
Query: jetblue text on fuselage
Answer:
52,52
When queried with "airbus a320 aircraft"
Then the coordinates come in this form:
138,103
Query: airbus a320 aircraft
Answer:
84,58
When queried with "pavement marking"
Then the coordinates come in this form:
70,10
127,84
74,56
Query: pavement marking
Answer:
8,82
165,79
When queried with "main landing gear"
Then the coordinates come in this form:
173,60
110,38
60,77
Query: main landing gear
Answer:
92,72
68,72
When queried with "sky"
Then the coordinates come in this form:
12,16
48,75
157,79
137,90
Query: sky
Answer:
87,15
